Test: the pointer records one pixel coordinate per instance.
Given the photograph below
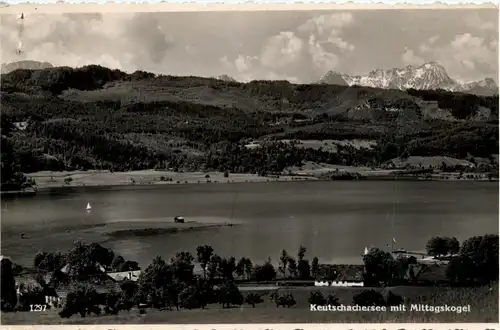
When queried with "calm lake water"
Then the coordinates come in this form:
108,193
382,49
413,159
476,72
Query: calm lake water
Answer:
334,220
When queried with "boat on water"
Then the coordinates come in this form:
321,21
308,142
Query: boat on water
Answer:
88,208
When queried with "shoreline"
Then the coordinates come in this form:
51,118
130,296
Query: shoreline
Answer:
49,182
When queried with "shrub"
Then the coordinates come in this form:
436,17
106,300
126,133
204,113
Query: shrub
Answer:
286,300
316,298
229,294
368,298
332,300
253,299
393,299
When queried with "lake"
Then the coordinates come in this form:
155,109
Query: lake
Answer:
333,220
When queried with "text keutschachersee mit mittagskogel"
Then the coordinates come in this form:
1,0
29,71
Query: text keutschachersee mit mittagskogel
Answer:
398,308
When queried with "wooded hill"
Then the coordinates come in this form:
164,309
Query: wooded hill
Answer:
96,118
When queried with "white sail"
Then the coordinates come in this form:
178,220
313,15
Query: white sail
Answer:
366,251
88,207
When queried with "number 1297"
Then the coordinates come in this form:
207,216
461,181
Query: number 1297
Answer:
38,308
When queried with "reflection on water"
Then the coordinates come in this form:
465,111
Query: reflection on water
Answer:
334,220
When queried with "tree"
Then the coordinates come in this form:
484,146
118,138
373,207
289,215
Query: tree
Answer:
283,262
229,294
253,299
117,261
182,266
437,246
401,268
203,254
379,267
157,283
315,268
8,286
190,297
304,269
265,272
12,177
128,266
301,253
227,267
49,262
213,265
101,254
453,245
84,301
112,303
244,267
80,263
292,267
483,254
129,290
460,270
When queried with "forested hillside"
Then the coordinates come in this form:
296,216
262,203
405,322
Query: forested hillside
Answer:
96,118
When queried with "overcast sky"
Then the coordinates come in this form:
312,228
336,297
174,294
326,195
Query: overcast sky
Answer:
299,46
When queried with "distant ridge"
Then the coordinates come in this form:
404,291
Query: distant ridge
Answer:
27,65
428,76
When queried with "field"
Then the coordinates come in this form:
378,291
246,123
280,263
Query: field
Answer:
483,305
48,179
308,171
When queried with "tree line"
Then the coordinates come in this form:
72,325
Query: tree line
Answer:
173,284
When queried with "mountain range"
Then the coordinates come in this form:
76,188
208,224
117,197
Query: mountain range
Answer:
428,76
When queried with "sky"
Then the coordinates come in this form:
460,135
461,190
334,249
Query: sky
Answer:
299,46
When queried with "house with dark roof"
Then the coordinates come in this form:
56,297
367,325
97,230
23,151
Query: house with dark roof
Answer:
29,283
56,291
102,285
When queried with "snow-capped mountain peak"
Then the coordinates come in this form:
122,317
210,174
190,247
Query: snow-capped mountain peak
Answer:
430,75
334,78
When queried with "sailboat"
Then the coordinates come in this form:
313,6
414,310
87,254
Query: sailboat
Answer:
88,208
